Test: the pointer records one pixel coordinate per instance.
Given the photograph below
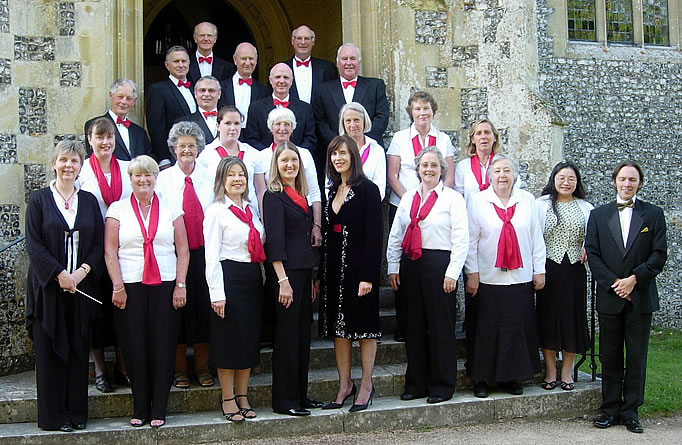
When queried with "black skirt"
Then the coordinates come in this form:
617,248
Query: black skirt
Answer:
103,332
235,339
561,307
194,320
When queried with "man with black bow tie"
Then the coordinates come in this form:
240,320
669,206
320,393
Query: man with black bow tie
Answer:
204,62
308,71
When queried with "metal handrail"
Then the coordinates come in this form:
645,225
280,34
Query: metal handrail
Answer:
591,351
13,243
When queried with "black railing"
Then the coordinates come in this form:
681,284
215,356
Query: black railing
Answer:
13,243
593,329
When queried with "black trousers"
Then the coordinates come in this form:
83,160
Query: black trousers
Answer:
623,383
431,347
148,334
291,346
470,317
401,306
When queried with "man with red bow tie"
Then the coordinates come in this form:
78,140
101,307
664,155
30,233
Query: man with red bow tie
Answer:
131,139
168,101
257,133
207,94
204,62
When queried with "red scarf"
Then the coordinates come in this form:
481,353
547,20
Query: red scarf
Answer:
476,170
412,242
365,154
417,145
508,251
255,245
222,152
298,199
194,215
110,193
150,274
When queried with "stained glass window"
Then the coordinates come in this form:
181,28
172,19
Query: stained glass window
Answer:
619,21
581,20
655,22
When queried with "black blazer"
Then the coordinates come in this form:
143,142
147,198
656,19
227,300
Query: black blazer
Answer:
287,231
644,256
258,136
165,105
329,99
221,69
139,141
197,118
323,71
258,91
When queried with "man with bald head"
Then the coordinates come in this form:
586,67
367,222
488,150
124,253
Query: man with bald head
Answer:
242,89
203,62
257,133
308,71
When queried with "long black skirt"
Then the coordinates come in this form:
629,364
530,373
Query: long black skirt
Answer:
561,307
506,341
103,333
235,339
194,320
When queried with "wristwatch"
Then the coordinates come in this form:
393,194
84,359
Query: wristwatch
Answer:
180,285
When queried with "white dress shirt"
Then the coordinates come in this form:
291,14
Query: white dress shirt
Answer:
88,182
349,91
465,181
444,228
242,97
374,167
401,146
484,234
303,76
186,93
286,99
308,169
122,130
211,122
170,185
205,68
625,217
226,238
131,241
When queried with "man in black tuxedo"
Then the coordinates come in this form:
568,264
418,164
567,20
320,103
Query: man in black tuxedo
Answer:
131,139
206,93
257,133
203,62
308,71
242,89
168,101
626,248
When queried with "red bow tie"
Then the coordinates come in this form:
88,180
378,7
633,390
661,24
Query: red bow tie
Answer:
124,121
346,84
209,113
208,59
185,84
283,103
248,81
306,63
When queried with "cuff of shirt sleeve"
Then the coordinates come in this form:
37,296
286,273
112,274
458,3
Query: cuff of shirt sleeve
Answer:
393,268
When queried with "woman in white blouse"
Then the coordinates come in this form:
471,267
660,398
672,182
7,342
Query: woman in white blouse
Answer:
405,146
234,253
188,185
505,263
146,253
355,122
426,251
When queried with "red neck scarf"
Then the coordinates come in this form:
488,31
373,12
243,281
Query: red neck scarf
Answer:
273,146
194,215
298,199
151,276
255,246
365,154
222,152
508,251
110,193
412,242
476,170
417,145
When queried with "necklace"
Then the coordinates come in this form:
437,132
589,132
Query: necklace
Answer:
66,201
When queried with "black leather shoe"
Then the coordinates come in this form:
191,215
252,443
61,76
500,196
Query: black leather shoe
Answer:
437,399
120,378
633,426
102,384
400,337
298,412
481,390
66,428
78,426
410,396
605,421
514,387
310,403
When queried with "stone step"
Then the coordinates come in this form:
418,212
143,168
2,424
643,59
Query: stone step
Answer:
387,413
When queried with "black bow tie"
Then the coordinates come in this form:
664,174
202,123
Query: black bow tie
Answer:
628,203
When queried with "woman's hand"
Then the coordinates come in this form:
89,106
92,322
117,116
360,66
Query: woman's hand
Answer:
179,297
78,275
449,285
364,288
286,294
316,289
583,256
538,281
316,236
219,308
119,297
472,283
66,281
394,280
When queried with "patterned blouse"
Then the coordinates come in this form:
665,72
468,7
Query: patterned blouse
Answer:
567,235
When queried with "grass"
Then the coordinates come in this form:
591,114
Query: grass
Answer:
663,392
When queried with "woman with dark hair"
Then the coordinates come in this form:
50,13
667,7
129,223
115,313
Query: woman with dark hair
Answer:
349,268
561,306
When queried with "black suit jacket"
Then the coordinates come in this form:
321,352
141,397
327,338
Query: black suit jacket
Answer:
221,69
329,99
165,105
287,231
139,141
258,136
197,118
258,91
323,71
644,256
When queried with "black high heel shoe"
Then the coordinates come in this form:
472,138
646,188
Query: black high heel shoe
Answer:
355,408
334,405
230,416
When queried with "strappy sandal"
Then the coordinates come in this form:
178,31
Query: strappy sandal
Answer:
548,385
136,422
181,380
205,377
230,416
567,386
245,411
157,423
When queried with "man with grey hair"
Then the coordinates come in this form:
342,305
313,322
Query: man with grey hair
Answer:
131,139
207,94
203,62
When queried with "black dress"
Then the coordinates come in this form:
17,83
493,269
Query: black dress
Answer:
351,253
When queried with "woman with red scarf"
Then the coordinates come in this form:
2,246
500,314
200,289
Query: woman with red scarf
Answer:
106,178
505,263
426,250
145,249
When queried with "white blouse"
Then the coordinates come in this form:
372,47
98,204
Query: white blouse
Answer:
130,240
465,181
484,233
401,146
444,228
226,238
308,169
170,185
88,181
